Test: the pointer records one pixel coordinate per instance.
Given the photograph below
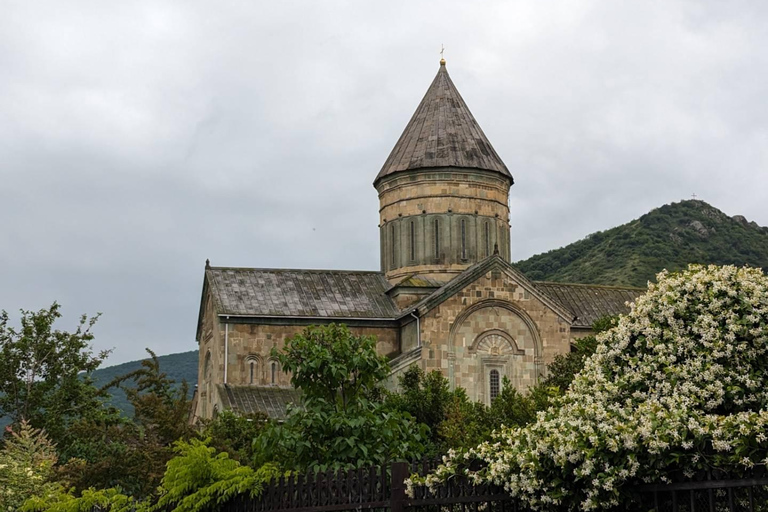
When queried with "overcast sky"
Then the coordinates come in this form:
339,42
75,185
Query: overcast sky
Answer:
139,138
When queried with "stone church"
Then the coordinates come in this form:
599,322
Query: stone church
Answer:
446,297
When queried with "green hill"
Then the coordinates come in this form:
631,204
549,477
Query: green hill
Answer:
669,237
178,367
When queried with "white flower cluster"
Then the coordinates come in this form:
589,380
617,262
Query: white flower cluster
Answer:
681,383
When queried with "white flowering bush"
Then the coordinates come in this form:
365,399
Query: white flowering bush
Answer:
680,385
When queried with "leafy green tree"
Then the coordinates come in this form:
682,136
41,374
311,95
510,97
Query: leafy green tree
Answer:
426,397
197,479
342,422
565,367
26,466
466,423
234,434
200,479
131,454
44,372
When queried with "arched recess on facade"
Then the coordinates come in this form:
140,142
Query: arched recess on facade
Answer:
488,341
495,303
253,369
273,369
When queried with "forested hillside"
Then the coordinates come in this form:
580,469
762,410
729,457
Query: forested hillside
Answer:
669,237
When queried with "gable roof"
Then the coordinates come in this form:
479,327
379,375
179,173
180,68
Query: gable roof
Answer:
590,302
443,133
300,293
493,262
271,401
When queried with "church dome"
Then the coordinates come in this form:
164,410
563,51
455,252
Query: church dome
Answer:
443,133
443,191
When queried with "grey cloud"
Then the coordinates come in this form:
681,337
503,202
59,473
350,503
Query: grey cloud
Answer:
139,139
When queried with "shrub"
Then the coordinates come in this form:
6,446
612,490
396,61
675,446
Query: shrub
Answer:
679,385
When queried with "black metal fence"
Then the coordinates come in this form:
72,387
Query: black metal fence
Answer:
375,488
382,489
711,494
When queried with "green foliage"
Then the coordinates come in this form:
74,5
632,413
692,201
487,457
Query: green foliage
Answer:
132,454
40,372
426,397
669,238
456,422
328,363
678,386
565,366
199,479
234,434
342,422
26,466
466,423
178,367
91,499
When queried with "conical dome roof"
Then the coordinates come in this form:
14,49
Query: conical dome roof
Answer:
442,133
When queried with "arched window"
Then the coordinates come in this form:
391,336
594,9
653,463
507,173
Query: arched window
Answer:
494,384
463,239
252,362
274,370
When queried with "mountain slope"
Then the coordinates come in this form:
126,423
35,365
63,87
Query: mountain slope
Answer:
669,237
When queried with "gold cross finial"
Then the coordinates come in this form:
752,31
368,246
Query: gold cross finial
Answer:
442,60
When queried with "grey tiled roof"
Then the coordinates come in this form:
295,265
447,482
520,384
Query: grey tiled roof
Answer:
300,293
590,302
249,399
419,281
443,133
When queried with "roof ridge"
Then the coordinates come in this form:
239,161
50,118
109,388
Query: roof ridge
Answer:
588,285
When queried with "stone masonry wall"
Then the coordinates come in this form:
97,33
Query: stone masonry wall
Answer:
441,221
494,323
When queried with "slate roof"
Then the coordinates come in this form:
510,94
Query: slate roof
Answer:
493,262
443,133
271,401
589,302
419,281
300,293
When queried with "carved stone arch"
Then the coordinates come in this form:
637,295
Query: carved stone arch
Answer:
495,342
253,369
273,371
491,303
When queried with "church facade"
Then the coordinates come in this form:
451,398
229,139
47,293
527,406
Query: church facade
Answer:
446,297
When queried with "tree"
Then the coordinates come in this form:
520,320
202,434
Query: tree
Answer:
131,454
679,385
234,434
426,397
26,466
44,372
342,422
564,368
